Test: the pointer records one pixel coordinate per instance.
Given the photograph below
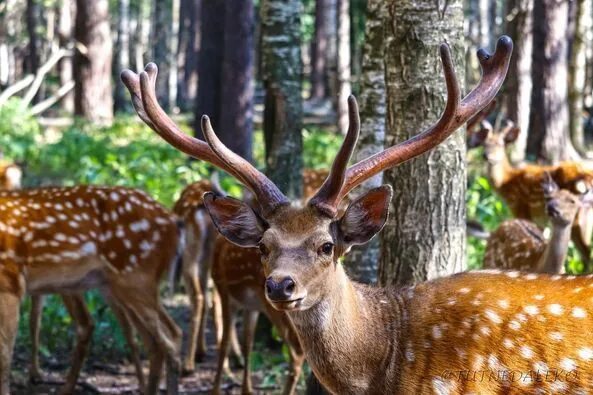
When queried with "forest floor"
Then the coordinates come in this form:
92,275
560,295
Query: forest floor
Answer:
118,377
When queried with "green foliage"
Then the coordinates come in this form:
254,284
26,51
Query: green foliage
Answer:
18,130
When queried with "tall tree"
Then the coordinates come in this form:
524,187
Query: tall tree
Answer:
517,89
33,18
319,50
122,54
92,61
210,63
281,73
188,52
65,32
424,237
362,262
161,48
236,126
343,63
578,70
548,138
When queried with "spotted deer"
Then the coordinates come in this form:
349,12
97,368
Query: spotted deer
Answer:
478,332
519,244
72,239
520,187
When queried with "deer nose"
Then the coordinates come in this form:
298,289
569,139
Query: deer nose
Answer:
280,291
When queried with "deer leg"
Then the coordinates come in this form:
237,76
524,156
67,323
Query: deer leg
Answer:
297,356
196,297
249,323
223,347
9,317
204,263
34,327
84,332
128,331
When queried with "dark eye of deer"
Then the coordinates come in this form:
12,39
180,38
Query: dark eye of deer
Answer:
326,249
263,249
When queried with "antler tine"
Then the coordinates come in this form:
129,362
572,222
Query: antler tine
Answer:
326,198
267,193
494,69
142,91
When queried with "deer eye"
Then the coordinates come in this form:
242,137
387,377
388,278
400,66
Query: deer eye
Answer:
326,249
263,250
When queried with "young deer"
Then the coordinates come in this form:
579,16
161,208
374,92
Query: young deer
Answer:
68,240
520,245
361,339
521,187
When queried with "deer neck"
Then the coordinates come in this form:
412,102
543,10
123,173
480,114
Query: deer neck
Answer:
499,171
349,325
556,250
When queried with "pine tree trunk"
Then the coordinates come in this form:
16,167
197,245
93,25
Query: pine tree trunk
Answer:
282,74
577,71
517,87
161,44
65,31
484,18
331,62
188,52
318,52
548,138
344,60
424,237
92,69
122,54
236,126
33,59
210,64
141,34
362,262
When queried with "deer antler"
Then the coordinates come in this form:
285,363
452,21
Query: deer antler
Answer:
494,69
142,90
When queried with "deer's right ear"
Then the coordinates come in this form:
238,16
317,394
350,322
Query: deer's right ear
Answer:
235,220
475,139
548,184
366,216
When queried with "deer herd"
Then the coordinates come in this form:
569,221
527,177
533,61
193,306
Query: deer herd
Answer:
516,327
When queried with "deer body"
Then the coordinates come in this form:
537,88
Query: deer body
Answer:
69,240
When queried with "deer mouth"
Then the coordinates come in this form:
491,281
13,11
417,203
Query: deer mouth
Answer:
287,305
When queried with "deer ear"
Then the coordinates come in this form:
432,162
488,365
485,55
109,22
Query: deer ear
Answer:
512,134
366,216
548,184
235,220
475,139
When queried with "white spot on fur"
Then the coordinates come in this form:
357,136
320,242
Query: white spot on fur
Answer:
586,353
578,312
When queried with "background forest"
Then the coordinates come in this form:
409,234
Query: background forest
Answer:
274,77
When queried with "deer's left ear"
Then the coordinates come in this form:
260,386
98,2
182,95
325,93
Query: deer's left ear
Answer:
366,216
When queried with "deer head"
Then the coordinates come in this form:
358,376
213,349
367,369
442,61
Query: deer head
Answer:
562,205
300,245
494,139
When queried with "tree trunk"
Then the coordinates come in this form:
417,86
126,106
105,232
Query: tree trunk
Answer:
33,58
424,238
161,44
331,62
362,262
92,69
344,59
517,88
485,19
141,34
210,64
282,73
548,138
122,54
189,48
236,126
577,72
318,51
65,31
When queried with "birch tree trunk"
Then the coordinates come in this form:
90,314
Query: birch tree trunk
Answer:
344,60
122,54
548,138
362,262
282,77
92,69
577,72
424,237
236,126
517,88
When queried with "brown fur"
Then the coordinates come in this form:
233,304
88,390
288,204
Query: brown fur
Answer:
72,239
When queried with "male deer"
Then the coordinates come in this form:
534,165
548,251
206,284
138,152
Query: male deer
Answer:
519,244
521,187
68,240
197,264
361,339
